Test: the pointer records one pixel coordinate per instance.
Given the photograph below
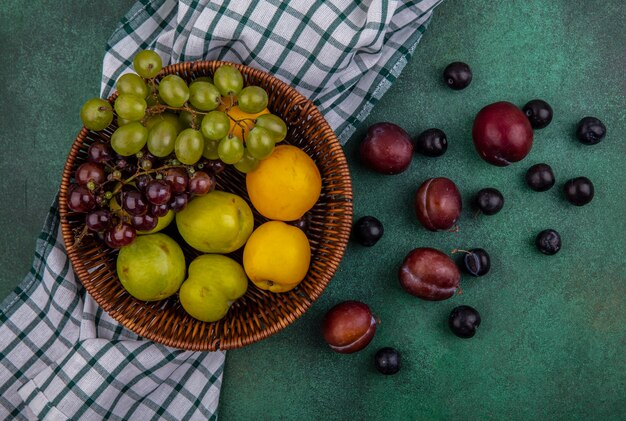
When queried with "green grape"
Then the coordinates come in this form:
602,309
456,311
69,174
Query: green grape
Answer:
260,143
228,80
202,79
189,120
166,116
130,107
96,114
147,64
129,139
204,96
174,90
230,149
210,149
274,124
161,138
122,121
247,163
131,83
215,125
252,99
189,146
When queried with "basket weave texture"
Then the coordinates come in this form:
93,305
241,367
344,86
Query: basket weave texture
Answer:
258,314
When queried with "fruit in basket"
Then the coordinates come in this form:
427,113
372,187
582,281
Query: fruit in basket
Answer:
96,114
133,84
438,204
147,64
277,256
130,107
349,327
240,122
217,222
204,95
152,267
386,149
189,146
129,139
502,134
174,90
285,185
213,284
429,274
228,80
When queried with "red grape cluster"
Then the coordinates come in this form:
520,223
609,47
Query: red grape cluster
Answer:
123,195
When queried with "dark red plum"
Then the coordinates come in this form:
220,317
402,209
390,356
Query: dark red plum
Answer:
502,134
438,204
386,149
349,327
429,274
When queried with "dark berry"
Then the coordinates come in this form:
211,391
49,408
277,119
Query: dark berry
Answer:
539,113
579,191
489,201
367,231
457,75
431,142
540,177
387,361
590,131
476,262
548,242
463,321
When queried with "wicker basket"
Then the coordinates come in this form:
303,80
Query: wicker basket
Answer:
258,314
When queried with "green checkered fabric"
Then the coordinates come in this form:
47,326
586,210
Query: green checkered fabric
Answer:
343,55
61,356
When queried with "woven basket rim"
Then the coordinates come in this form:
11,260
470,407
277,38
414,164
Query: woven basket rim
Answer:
296,311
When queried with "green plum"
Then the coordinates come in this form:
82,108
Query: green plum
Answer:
217,222
214,283
152,267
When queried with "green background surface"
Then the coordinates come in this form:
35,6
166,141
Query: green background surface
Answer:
551,342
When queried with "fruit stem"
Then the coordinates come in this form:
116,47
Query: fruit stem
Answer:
80,236
454,251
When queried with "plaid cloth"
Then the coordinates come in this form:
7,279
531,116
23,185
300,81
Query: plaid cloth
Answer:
61,356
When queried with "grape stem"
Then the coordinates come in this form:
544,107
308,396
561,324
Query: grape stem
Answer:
144,172
80,236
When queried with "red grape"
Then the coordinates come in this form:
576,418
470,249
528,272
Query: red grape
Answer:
438,204
349,327
214,165
90,172
99,152
502,134
98,220
142,181
178,179
80,199
120,235
158,192
387,148
160,210
429,274
134,202
201,183
179,202
145,222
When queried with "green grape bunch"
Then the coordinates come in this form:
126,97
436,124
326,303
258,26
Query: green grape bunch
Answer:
170,138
